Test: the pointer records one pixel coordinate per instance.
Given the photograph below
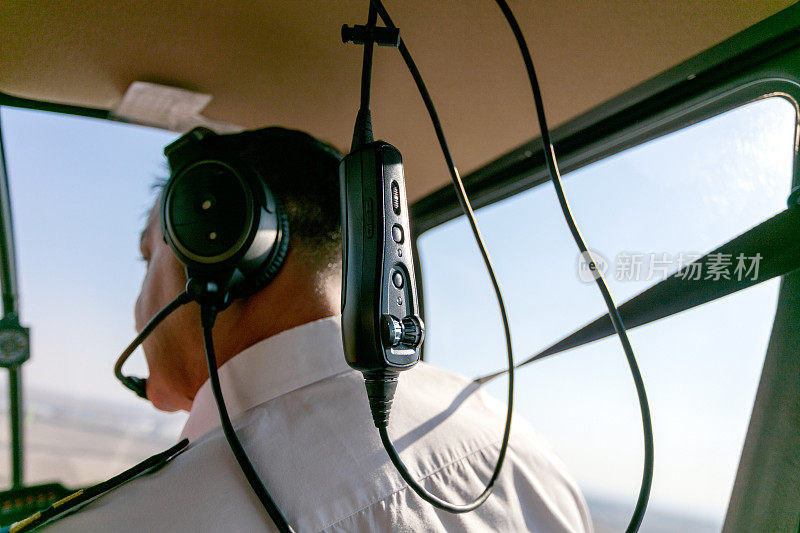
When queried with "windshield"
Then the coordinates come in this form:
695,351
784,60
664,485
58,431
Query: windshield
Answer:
80,191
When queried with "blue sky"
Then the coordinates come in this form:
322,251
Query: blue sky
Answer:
81,188
686,192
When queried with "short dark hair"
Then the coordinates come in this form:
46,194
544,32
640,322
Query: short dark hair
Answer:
304,173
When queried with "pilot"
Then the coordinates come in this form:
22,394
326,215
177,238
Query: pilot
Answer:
300,411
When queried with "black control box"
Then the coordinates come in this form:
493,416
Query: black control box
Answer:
381,328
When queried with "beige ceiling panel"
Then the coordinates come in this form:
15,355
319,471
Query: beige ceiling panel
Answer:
283,63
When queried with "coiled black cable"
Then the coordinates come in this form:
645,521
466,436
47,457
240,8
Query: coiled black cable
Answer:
468,212
208,316
555,176
644,491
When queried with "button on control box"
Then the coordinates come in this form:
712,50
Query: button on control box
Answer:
397,233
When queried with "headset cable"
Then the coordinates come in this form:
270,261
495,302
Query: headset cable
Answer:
208,315
619,327
381,417
647,475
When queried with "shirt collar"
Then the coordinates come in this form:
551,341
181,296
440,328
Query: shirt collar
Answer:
275,366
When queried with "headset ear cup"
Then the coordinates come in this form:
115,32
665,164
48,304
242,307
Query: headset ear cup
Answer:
267,272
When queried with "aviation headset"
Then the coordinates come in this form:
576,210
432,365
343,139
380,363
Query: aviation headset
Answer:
223,221
219,216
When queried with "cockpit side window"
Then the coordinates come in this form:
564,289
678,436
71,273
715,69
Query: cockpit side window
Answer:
647,211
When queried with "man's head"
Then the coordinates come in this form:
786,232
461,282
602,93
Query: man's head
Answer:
303,173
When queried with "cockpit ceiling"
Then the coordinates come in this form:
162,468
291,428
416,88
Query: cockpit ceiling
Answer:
282,62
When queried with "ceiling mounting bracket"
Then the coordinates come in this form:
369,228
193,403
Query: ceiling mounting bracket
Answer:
379,35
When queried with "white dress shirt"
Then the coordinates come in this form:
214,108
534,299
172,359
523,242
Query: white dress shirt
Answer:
302,415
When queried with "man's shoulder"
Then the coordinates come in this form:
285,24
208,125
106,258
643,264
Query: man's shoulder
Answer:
448,431
320,457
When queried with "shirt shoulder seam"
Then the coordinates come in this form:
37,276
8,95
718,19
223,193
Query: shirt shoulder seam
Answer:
405,487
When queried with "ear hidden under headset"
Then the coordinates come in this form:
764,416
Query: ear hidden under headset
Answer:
220,218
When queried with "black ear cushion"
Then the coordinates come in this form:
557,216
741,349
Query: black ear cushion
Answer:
267,272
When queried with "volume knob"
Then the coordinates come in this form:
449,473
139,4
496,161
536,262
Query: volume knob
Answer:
408,332
391,331
413,331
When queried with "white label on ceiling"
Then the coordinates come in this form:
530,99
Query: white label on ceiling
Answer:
167,107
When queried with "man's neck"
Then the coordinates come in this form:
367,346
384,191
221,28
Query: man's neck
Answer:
288,302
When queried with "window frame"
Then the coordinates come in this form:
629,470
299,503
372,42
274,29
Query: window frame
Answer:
766,54
761,62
